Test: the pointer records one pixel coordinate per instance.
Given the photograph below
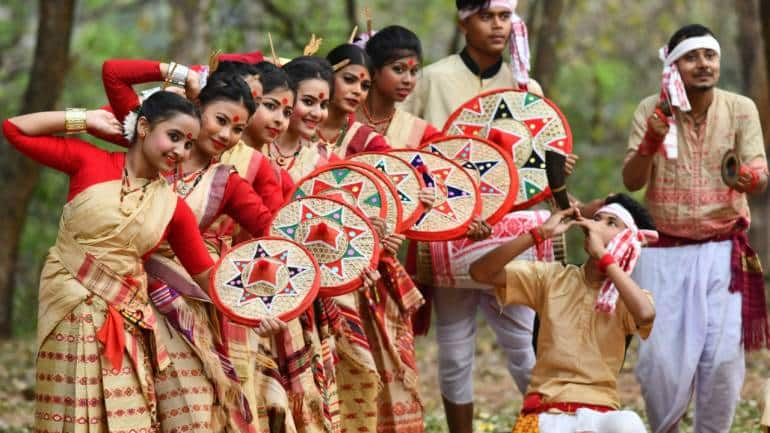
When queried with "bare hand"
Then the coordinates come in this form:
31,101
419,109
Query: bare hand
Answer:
658,123
478,230
192,86
392,243
370,277
569,165
427,197
559,222
380,226
270,326
178,90
103,122
746,180
594,244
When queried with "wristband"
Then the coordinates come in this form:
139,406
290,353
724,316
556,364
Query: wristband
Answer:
605,262
74,120
176,75
754,178
537,236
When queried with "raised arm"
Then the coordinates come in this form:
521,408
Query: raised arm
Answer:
119,76
32,135
490,269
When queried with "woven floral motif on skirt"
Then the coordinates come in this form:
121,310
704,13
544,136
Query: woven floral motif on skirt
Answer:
78,390
358,382
186,400
388,328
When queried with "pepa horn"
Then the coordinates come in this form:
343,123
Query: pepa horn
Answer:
557,178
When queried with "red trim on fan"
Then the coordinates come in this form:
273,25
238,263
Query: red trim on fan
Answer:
285,316
510,198
409,220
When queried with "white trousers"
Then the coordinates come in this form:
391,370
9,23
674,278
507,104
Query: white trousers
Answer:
695,344
456,311
591,421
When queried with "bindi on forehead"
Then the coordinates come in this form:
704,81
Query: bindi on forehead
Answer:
189,136
236,118
285,101
321,95
362,75
411,62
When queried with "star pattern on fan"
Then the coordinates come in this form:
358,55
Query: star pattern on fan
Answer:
262,270
331,232
440,179
396,178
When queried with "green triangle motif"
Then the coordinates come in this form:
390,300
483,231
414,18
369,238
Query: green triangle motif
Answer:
299,193
530,99
374,200
335,216
530,189
289,231
340,174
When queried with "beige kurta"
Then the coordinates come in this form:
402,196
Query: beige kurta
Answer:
448,83
686,196
579,351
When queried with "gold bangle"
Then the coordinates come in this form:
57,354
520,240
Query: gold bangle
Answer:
75,120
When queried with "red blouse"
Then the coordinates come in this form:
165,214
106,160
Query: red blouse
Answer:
251,210
87,165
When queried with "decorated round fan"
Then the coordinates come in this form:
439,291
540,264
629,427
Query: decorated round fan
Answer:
266,277
522,124
498,179
457,197
355,186
404,178
395,211
339,237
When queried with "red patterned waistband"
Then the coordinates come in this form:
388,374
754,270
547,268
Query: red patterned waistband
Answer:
533,404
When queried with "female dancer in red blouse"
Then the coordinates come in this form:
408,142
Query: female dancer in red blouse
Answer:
211,190
97,343
216,137
396,55
341,134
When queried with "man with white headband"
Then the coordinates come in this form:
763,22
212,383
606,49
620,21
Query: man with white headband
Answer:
706,279
586,313
489,26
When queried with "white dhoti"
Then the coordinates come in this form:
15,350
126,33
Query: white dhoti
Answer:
695,345
457,310
591,421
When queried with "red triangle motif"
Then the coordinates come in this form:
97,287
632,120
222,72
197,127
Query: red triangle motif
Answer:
442,174
466,129
353,188
320,186
446,209
504,139
474,107
534,126
560,145
488,189
464,153
335,267
307,213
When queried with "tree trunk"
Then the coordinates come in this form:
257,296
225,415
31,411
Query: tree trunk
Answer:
547,38
19,174
189,31
755,84
351,12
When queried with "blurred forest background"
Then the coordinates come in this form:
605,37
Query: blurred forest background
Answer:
595,58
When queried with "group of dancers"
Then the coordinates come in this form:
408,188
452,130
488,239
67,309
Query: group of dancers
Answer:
129,341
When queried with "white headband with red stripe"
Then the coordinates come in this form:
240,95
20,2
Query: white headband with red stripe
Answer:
519,42
625,248
672,85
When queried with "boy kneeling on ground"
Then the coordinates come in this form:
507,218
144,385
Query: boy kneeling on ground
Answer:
585,314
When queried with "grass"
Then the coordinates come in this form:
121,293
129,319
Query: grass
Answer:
497,400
